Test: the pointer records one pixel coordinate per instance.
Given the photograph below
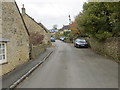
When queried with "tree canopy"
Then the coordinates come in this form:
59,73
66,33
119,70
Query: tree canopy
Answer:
100,20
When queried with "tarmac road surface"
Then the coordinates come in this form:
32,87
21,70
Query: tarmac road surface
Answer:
70,67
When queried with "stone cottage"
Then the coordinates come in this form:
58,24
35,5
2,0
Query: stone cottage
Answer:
35,27
14,37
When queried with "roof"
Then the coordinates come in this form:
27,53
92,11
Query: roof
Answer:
22,19
65,27
40,24
43,27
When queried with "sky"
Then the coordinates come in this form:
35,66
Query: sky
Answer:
52,12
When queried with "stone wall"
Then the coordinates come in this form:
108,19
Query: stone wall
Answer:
110,47
14,29
34,27
37,50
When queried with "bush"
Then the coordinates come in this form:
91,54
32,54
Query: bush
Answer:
36,38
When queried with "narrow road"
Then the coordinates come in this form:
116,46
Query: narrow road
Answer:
70,67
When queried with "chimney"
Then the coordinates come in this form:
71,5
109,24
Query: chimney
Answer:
23,9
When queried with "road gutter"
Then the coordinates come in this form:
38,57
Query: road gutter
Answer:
29,72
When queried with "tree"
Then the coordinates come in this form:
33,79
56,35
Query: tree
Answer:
97,20
114,7
74,30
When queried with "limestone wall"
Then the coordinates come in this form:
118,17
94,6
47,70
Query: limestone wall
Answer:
110,47
37,50
33,27
47,38
13,29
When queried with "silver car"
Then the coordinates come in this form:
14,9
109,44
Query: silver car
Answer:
80,43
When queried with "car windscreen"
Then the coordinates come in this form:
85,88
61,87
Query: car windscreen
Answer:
81,41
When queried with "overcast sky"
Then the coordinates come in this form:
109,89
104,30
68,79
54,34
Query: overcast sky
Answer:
52,12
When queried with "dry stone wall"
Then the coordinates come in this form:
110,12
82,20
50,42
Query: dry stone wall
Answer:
110,47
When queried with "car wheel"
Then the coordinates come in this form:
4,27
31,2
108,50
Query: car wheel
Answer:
76,46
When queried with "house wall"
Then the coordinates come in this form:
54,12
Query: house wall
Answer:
47,37
33,27
13,29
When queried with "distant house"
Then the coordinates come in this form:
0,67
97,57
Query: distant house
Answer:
53,32
65,28
14,37
35,27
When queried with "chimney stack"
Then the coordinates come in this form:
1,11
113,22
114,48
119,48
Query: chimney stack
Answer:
23,9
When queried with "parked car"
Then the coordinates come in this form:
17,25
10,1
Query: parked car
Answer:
80,43
52,39
62,38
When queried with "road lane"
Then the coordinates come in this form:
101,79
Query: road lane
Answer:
70,67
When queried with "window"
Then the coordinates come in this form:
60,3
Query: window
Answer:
2,52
